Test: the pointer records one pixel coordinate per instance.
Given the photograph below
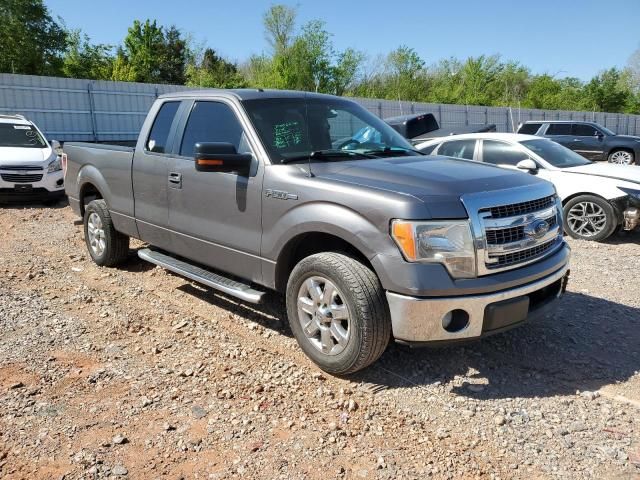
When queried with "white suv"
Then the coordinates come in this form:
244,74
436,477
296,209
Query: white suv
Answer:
29,166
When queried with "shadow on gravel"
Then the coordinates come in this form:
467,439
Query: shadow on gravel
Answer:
16,204
622,238
587,343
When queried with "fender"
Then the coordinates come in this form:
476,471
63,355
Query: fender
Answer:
322,217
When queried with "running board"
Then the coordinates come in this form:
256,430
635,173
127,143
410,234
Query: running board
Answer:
200,275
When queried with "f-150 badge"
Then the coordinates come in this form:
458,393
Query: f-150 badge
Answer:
280,195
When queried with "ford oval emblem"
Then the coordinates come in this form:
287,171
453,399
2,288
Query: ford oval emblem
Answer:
537,229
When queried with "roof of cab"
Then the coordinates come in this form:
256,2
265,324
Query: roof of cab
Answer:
245,94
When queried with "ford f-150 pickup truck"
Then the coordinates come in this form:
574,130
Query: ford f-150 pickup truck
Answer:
249,190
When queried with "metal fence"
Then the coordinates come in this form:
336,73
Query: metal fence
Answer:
82,110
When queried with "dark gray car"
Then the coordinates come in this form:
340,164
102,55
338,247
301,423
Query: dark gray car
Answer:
249,190
589,139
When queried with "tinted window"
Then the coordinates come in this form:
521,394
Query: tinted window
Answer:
559,129
428,149
157,141
212,122
555,154
500,153
25,136
458,149
529,128
583,130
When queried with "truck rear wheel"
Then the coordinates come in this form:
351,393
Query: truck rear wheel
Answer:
338,312
106,245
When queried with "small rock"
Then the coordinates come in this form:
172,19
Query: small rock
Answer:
119,470
198,412
499,420
16,385
352,406
589,395
119,440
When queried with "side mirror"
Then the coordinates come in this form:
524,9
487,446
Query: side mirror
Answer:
527,164
221,157
55,144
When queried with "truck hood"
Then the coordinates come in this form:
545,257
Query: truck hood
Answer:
23,156
437,181
627,173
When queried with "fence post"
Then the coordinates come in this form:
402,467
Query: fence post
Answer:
440,115
92,112
466,115
379,109
486,115
413,109
506,111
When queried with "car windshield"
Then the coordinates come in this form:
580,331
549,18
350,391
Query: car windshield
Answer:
605,130
555,154
15,135
325,129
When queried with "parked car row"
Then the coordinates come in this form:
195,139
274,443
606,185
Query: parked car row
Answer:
598,198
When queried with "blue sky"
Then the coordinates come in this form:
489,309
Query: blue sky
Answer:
564,38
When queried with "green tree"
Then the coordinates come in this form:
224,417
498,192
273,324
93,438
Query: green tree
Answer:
213,71
279,24
172,70
31,42
405,68
82,59
606,92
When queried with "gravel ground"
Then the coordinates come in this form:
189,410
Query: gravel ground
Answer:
137,373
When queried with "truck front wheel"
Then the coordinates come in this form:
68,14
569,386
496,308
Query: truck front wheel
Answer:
106,245
338,312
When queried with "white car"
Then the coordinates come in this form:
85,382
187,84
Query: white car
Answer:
598,198
29,166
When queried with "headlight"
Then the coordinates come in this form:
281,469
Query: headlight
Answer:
55,165
447,242
632,193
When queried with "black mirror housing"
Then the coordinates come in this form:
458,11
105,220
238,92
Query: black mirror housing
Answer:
221,157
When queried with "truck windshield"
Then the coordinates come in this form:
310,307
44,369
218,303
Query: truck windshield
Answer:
15,135
555,154
296,129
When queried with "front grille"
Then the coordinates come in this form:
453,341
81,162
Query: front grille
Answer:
521,256
513,234
523,208
18,178
13,168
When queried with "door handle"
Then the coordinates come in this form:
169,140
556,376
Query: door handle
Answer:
577,140
175,179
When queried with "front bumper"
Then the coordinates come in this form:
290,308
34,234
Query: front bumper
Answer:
50,186
422,320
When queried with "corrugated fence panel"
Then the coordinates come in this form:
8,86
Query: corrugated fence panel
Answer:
74,109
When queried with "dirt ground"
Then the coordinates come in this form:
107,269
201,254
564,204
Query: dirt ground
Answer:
138,373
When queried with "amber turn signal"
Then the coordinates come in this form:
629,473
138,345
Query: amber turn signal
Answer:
402,233
209,163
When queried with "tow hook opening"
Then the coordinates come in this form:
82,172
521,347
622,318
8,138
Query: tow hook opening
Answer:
455,321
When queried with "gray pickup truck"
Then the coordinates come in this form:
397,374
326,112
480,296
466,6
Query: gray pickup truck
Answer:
248,191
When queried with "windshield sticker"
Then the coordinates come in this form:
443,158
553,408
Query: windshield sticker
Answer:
287,134
22,127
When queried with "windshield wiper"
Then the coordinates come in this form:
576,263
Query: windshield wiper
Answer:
328,154
387,150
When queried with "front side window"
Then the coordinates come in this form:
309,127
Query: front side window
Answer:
213,122
429,148
583,130
297,129
555,154
500,153
24,136
159,135
458,149
559,129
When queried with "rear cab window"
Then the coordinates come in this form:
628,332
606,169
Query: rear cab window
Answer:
159,134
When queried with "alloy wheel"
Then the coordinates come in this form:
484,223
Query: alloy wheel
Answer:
95,231
587,219
323,315
621,157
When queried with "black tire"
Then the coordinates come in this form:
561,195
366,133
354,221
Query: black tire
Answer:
610,225
632,159
369,319
116,244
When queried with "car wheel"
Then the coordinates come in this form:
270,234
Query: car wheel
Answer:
106,245
621,157
588,217
338,312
